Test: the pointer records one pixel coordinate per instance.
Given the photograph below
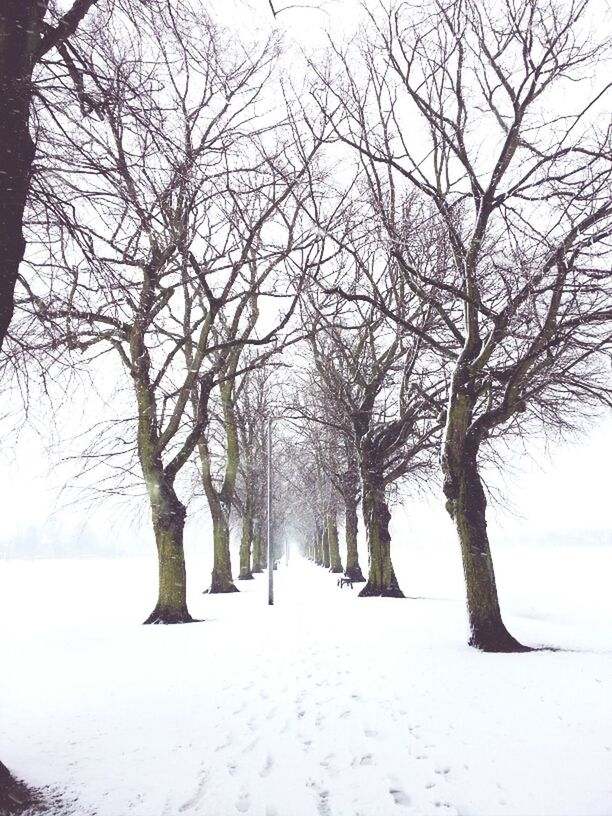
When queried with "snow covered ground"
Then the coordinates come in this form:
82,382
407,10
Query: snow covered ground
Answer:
323,705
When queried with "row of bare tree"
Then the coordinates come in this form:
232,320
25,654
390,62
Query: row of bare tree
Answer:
480,222
417,238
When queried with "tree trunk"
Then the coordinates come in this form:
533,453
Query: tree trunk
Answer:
466,504
221,578
245,547
15,797
353,570
335,564
381,576
257,567
168,516
319,546
20,27
325,545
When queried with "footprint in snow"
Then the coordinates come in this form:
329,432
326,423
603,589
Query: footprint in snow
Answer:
328,763
399,797
323,807
232,768
265,771
199,793
250,746
367,759
243,803
369,732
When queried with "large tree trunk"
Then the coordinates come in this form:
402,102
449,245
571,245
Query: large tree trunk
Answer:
220,501
335,564
20,27
15,797
353,569
221,578
325,545
20,23
466,504
381,575
168,516
245,547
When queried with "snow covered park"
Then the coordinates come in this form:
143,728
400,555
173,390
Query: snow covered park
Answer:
325,286
324,704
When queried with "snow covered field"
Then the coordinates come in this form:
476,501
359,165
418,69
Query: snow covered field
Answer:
324,705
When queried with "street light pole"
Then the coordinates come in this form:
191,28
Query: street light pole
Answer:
270,563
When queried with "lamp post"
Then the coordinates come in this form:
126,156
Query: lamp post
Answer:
270,564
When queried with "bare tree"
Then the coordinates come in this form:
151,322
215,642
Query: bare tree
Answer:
254,405
326,437
261,269
29,34
463,108
385,394
160,264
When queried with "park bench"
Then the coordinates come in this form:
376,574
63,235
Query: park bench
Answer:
343,581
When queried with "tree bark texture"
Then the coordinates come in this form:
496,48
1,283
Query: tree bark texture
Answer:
325,545
353,569
168,516
221,578
381,575
15,797
220,501
335,564
319,546
21,24
245,547
466,504
257,567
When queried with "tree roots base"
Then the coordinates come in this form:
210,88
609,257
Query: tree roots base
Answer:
381,592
